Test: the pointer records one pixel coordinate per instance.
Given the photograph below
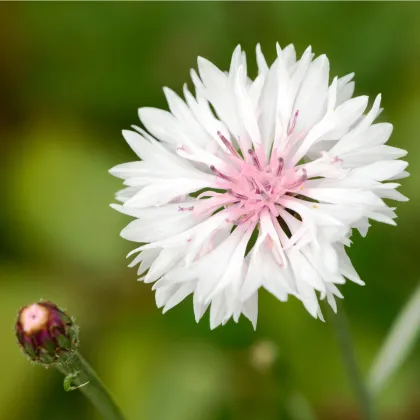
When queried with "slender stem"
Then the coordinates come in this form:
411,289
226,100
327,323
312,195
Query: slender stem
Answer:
80,375
342,332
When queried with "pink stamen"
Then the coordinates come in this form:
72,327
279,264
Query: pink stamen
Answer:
181,148
180,208
228,144
280,167
221,174
255,159
299,181
264,195
254,185
333,159
267,186
244,218
336,159
293,124
237,195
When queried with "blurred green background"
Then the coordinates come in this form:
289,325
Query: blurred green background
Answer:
72,75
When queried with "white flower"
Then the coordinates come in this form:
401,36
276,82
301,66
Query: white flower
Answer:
256,183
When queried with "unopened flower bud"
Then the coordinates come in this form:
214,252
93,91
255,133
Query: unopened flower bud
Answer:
46,333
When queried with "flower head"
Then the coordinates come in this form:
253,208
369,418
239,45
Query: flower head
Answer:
46,333
256,183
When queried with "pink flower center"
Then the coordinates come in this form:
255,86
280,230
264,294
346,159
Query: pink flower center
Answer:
255,182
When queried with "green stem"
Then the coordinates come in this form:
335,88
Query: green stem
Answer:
342,332
80,375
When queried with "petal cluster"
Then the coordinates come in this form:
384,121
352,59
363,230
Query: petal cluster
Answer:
256,183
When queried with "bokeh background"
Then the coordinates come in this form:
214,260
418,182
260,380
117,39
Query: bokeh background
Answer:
72,75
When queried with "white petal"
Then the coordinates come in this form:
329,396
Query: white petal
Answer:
345,88
303,270
346,266
139,144
162,124
160,194
166,260
217,311
374,135
199,308
311,100
262,64
212,267
379,171
155,228
181,293
218,91
344,196
250,309
253,278
234,270
247,110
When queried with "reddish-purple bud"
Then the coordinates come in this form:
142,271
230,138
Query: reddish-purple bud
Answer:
46,333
